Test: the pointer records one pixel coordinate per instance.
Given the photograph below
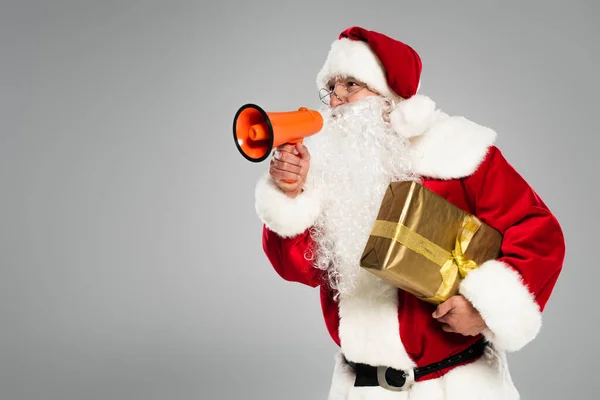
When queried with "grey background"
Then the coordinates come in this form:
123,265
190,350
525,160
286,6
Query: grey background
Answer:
130,251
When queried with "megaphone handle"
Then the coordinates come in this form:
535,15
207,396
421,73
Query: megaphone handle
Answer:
293,142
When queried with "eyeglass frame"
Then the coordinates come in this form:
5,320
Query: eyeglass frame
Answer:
331,92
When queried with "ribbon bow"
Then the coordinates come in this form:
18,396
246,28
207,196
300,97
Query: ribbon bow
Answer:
463,238
452,263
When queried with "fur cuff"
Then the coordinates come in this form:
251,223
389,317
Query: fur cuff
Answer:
283,215
509,309
413,116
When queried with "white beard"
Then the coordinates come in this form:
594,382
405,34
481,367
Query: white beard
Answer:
353,159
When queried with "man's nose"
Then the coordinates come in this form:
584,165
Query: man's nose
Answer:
335,101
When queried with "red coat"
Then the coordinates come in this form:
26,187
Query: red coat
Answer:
459,162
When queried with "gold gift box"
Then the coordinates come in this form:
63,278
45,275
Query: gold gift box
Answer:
424,244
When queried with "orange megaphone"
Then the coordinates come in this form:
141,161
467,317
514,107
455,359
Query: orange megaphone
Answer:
257,132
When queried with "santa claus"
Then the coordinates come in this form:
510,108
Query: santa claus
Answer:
318,208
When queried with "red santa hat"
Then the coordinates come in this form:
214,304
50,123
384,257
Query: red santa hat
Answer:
388,66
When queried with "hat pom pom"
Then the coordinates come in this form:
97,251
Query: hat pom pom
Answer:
413,116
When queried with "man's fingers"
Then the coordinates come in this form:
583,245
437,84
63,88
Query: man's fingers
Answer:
285,166
288,158
448,328
443,309
302,151
288,147
287,177
278,174
444,319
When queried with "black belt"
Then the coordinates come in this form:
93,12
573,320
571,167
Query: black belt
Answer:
393,379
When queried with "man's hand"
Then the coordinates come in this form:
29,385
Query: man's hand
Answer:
458,315
290,163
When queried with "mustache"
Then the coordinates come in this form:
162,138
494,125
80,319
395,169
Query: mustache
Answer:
371,105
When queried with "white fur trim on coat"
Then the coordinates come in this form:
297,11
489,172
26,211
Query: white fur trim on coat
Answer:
509,309
487,378
354,58
283,215
369,329
451,148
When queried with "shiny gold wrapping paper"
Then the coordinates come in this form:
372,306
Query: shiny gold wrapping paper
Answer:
424,244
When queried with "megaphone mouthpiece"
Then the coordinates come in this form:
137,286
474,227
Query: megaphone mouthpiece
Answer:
259,132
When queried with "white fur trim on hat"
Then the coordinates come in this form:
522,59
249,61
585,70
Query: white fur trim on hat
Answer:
413,116
354,58
507,306
284,215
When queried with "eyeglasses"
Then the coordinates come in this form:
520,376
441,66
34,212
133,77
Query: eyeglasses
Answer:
343,91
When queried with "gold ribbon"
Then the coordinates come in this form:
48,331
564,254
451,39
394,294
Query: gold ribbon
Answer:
452,263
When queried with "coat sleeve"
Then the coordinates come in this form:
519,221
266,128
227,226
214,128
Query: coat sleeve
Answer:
292,258
511,291
286,237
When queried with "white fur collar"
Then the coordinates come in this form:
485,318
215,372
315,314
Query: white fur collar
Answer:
445,147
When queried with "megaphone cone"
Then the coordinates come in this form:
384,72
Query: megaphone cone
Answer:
257,132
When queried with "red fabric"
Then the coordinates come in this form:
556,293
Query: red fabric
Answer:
533,241
533,244
401,62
